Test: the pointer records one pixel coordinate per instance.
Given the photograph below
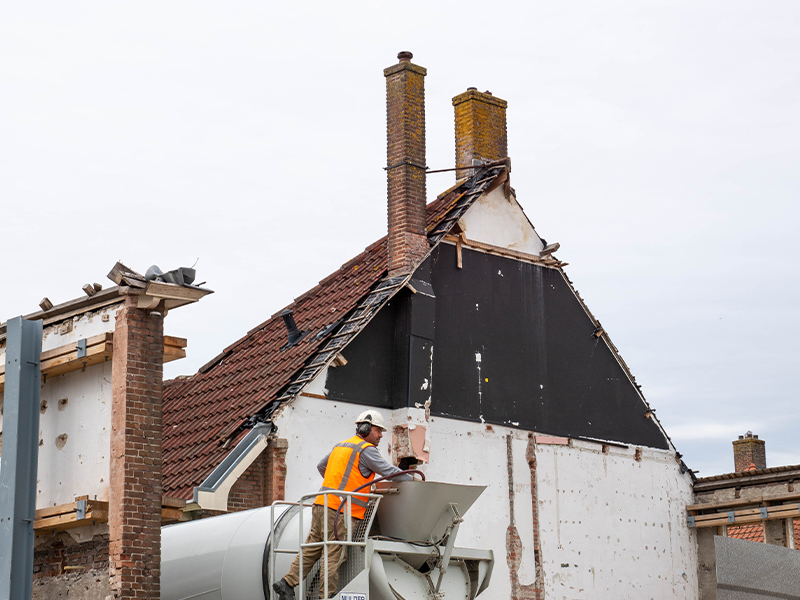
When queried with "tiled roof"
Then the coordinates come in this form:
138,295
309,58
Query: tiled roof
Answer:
206,414
749,473
755,532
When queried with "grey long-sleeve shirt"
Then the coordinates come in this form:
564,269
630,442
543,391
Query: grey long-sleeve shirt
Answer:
370,461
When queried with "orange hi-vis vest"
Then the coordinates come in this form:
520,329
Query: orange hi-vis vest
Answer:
342,473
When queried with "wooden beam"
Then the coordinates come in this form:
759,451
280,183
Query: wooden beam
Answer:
99,348
499,250
65,516
69,309
746,516
740,502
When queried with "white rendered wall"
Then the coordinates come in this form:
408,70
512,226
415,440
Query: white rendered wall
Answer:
495,220
582,493
75,419
74,437
618,523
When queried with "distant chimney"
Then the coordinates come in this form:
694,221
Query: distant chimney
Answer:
480,129
405,168
748,450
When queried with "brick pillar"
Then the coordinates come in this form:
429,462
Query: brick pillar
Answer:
480,129
405,156
275,488
135,495
749,450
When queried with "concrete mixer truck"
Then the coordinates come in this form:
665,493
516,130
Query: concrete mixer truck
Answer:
404,549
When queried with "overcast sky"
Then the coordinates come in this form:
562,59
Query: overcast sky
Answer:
658,142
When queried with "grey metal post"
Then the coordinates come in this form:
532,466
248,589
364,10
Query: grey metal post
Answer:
18,463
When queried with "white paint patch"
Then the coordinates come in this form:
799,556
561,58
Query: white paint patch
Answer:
499,272
495,220
424,384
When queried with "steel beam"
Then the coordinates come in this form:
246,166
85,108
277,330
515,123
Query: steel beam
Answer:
19,460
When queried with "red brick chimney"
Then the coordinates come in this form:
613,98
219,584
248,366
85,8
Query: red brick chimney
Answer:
405,168
749,452
481,134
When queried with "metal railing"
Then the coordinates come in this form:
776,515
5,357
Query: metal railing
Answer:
325,543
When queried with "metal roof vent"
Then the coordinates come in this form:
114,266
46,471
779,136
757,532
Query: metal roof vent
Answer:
295,335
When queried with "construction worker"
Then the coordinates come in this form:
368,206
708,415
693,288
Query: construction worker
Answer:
352,463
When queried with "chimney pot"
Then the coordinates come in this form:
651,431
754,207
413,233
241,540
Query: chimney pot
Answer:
405,56
749,453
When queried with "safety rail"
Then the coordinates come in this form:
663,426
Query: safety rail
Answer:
325,543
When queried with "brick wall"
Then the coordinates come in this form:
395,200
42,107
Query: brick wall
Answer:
53,555
135,491
749,450
480,125
275,488
262,483
405,156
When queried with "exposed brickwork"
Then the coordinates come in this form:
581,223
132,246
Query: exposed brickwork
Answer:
514,548
248,491
480,129
405,156
52,555
530,457
135,493
276,470
749,450
263,482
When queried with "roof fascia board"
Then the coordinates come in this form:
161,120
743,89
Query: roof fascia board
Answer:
212,494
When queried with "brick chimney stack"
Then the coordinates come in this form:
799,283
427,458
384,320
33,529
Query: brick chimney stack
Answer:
748,450
405,168
481,133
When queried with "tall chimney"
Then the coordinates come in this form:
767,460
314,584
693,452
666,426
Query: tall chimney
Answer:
481,134
748,450
405,168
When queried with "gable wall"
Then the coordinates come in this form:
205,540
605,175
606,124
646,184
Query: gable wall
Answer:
511,345
499,221
615,516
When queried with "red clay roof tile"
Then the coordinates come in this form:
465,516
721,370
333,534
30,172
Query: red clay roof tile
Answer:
212,407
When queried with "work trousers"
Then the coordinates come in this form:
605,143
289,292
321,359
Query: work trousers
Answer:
336,553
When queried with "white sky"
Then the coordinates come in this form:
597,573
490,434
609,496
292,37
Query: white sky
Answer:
658,142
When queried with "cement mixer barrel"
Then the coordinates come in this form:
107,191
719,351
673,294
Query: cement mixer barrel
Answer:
224,557
237,555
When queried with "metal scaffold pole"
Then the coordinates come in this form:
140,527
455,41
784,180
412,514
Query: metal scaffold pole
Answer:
18,462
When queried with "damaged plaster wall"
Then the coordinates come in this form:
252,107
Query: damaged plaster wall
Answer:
613,522
75,418
583,489
498,221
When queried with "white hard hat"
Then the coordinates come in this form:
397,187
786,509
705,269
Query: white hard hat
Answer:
373,417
